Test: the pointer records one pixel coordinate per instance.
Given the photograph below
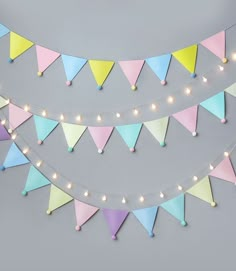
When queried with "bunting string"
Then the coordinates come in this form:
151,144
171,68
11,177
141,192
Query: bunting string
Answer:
132,69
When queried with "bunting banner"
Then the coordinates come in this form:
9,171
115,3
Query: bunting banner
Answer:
101,69
3,102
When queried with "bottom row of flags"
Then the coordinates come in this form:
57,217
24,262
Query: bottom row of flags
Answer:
115,218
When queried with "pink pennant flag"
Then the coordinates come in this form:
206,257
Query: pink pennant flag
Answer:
100,136
132,69
188,118
17,116
224,171
216,44
45,58
83,213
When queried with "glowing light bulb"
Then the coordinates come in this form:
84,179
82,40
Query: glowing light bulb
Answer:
226,154
54,176
13,136
3,122
162,195
118,115
44,113
180,188
141,199
7,101
26,108
204,79
69,186
62,117
86,193
104,198
211,167
39,163
135,112
221,68
123,200
153,106
195,178
187,91
170,99
25,150
234,56
99,118
78,118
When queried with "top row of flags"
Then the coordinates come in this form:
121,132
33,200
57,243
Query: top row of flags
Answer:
101,68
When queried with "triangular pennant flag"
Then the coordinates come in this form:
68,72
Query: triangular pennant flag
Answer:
73,133
44,127
45,58
100,70
216,44
34,181
57,199
158,129
100,136
188,118
115,219
202,190
187,57
17,116
83,213
132,70
3,102
3,133
224,170
147,217
14,158
18,45
72,66
130,134
231,90
216,105
3,30
160,66
176,207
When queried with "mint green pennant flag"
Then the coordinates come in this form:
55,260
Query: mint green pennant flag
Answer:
231,90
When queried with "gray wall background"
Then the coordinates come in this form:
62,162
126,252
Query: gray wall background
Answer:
31,240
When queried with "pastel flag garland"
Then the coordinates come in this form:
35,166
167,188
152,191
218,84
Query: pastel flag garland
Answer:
83,213
176,208
147,217
160,66
231,90
224,171
216,105
14,158
115,219
34,181
18,45
216,44
73,133
158,128
44,127
17,116
100,136
202,190
100,69
3,133
45,58
188,118
3,102
57,199
132,70
187,57
3,30
130,134
72,66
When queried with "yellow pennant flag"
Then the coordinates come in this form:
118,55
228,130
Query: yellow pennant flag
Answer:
100,70
18,45
158,129
187,57
3,102
202,190
73,133
57,199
